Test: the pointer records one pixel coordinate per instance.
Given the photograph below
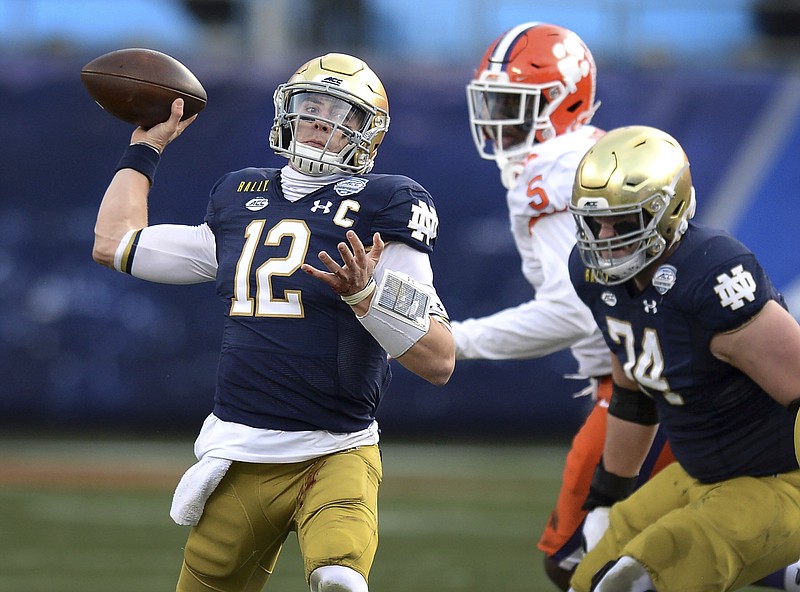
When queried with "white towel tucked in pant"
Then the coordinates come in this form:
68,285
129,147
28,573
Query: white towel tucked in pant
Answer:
195,486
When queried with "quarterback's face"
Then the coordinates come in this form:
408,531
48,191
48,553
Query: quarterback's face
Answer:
322,118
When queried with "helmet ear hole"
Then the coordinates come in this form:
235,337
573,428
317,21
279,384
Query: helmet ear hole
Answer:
574,106
635,180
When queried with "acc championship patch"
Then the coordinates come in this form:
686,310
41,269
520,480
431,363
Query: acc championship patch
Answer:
664,278
350,186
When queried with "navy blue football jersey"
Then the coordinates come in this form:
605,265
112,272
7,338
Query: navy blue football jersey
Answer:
293,355
720,424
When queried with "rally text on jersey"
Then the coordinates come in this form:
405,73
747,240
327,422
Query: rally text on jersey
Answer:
252,186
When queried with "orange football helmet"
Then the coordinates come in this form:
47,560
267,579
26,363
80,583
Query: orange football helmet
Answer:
535,82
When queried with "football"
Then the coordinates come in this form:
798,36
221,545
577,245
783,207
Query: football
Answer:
139,85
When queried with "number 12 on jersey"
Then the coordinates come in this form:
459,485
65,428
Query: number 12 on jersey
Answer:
265,303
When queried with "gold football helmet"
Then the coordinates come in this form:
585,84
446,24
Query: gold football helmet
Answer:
330,117
640,176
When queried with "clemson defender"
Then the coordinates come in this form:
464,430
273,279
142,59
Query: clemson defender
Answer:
530,105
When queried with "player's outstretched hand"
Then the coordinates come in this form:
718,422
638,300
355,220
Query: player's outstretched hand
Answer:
162,134
357,266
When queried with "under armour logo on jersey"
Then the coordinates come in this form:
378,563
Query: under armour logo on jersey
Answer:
734,289
424,222
325,207
650,306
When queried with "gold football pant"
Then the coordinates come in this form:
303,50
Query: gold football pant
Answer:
330,502
558,540
694,537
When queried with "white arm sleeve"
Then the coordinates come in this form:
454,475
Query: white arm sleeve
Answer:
400,257
399,314
169,254
553,321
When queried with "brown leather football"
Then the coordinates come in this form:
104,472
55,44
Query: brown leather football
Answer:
139,85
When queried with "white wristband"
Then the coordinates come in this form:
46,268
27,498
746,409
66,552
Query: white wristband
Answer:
398,314
361,295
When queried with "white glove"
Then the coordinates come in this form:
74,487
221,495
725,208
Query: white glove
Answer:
595,526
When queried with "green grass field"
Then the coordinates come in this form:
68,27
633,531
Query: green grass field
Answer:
92,516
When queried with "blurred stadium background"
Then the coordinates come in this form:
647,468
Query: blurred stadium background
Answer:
88,353
81,347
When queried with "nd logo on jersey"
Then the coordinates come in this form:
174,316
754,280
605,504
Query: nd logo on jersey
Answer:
424,222
734,289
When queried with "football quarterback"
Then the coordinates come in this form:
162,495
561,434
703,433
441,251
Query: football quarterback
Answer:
291,444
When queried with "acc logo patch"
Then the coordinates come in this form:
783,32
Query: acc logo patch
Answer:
350,186
257,203
664,278
608,298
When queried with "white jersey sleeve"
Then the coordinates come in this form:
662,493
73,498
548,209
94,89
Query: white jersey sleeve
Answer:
169,254
400,257
552,321
544,233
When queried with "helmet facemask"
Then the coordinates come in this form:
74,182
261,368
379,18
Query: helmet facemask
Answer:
640,235
508,119
635,243
323,129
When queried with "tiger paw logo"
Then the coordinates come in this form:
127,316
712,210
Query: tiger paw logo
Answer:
572,61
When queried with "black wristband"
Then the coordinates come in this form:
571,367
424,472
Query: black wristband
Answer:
607,488
632,405
140,157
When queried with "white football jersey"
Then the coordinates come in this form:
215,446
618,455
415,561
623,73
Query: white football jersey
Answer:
544,233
